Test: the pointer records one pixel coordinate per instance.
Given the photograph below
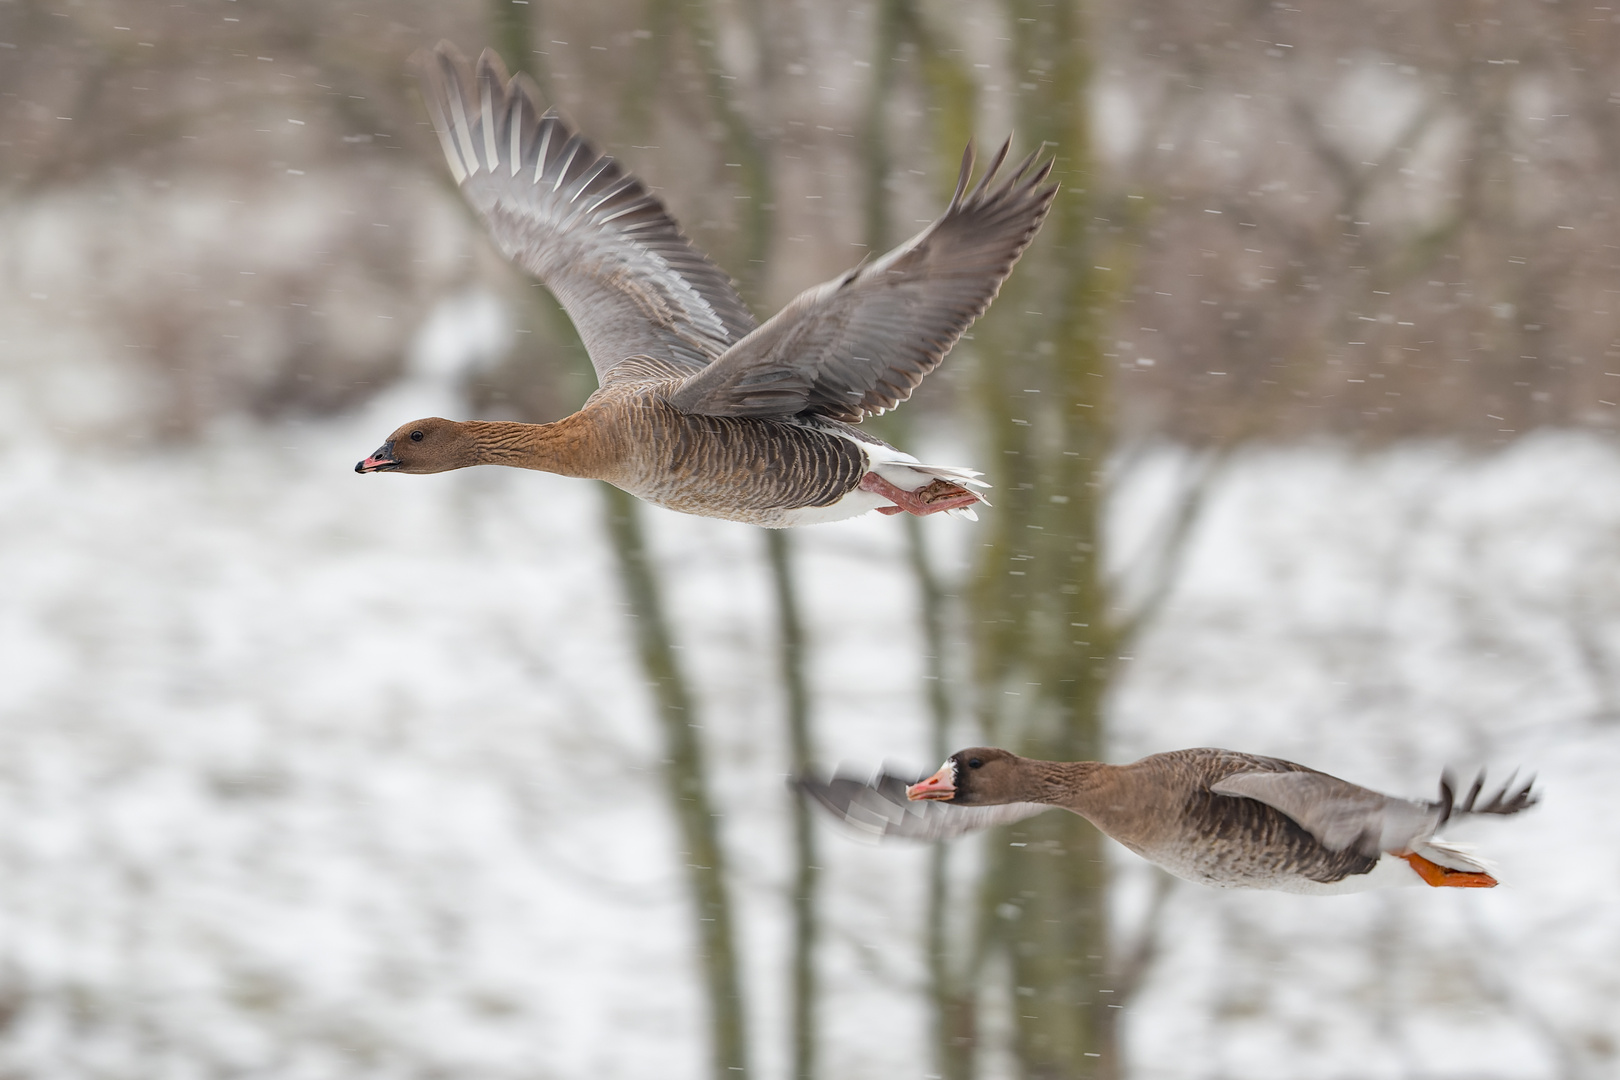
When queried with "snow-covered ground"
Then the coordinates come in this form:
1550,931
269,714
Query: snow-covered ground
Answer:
307,774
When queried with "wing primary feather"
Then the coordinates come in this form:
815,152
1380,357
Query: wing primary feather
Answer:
495,93
565,163
1023,166
1041,174
548,124
515,122
441,127
486,107
962,177
637,226
491,64
1510,798
990,173
613,192
602,165
458,113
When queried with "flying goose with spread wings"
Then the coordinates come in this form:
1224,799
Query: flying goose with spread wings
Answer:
699,408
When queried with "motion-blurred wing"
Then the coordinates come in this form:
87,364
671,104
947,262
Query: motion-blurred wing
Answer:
1340,814
877,808
860,344
630,281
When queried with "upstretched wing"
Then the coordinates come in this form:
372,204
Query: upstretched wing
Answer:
860,344
877,808
630,281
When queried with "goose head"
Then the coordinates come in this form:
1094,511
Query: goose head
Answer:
980,776
430,445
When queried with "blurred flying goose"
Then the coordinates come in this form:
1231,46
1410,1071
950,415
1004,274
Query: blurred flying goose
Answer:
700,409
1217,817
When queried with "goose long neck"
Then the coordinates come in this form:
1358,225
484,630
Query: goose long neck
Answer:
571,446
1075,785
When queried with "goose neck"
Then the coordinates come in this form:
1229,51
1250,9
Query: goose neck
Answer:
1071,784
570,447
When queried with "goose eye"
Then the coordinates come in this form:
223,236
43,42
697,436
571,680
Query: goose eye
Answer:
416,436
974,763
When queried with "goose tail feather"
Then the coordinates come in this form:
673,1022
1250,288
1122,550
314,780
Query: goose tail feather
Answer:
965,477
1463,857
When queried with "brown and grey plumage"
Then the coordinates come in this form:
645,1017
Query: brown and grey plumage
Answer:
699,409
1217,817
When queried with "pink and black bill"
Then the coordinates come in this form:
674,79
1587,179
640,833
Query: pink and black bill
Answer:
382,460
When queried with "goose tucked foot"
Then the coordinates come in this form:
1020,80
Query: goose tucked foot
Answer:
931,499
1445,877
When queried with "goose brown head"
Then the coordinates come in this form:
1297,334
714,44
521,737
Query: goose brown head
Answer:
980,776
430,445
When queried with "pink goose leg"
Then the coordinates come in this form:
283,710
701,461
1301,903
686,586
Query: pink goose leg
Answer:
937,496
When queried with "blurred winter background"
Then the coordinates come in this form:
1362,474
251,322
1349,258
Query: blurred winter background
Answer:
1301,414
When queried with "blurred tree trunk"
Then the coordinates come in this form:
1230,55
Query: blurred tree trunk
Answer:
743,147
951,988
898,23
685,774
792,651
685,765
1044,650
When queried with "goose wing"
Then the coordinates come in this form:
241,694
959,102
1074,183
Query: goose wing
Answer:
859,344
877,808
1344,815
1338,813
630,281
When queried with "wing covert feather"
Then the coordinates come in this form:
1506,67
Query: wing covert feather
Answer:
1338,813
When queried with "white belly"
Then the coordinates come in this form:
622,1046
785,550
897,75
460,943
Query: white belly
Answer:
1388,872
853,504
